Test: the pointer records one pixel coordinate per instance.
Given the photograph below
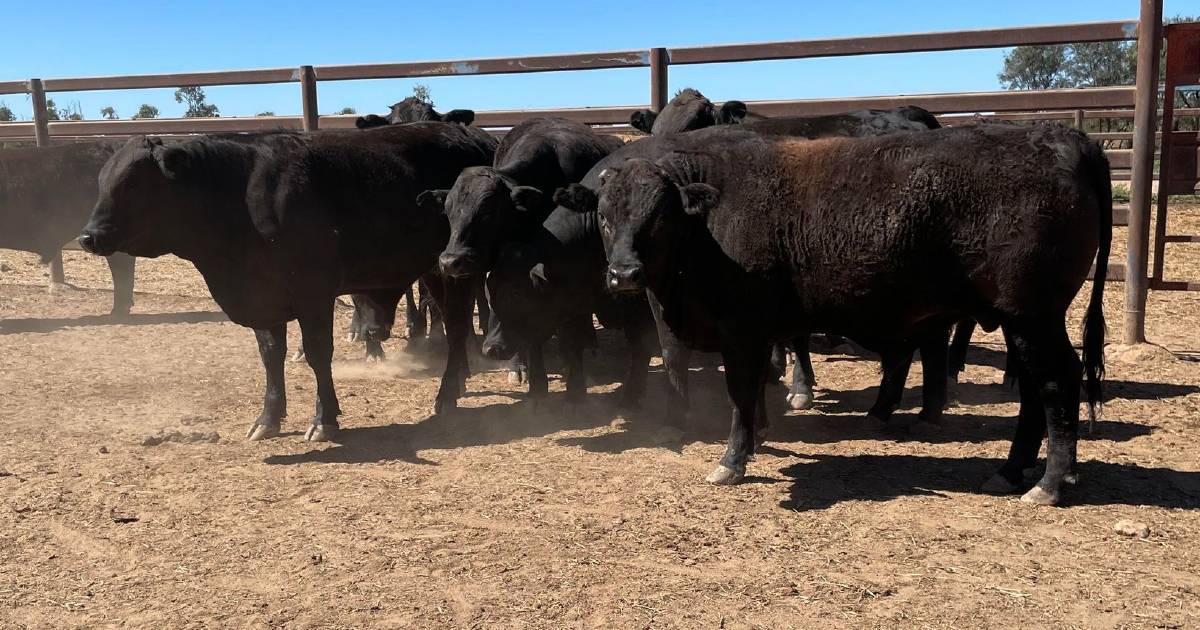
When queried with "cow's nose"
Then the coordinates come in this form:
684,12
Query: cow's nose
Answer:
87,242
456,265
625,277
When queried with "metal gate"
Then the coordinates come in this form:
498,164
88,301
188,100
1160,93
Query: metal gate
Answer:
1179,154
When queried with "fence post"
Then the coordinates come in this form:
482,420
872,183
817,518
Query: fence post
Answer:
308,97
1149,42
1079,119
659,61
41,123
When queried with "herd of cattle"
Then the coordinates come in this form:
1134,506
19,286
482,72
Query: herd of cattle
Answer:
721,232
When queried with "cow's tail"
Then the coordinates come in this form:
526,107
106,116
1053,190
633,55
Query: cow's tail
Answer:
1100,180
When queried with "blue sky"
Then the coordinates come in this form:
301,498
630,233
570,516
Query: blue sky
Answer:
120,37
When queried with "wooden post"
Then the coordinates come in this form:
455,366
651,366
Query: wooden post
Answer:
308,97
659,61
41,122
1079,119
1149,43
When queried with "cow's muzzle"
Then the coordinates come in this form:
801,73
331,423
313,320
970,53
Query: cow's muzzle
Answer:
458,265
93,243
626,278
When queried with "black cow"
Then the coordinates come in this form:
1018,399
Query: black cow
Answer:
488,206
413,109
281,223
687,111
46,195
746,239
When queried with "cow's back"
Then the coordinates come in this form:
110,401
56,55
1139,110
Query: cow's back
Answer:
47,194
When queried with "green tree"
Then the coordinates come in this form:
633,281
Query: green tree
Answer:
1034,68
265,114
146,111
6,114
108,113
421,93
52,110
347,111
193,96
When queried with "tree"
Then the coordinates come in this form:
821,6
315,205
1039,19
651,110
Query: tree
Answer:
108,113
146,111
6,114
70,112
52,110
196,107
1034,68
265,114
347,111
421,93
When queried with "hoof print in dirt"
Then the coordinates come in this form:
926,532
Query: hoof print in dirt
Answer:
182,437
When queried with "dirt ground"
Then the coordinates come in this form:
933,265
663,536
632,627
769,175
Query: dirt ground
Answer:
130,498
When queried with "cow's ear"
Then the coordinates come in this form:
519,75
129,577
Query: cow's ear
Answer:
732,113
369,121
698,199
460,116
537,275
643,120
527,198
577,197
172,160
434,200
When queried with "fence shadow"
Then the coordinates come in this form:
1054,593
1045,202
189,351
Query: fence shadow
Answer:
826,480
46,325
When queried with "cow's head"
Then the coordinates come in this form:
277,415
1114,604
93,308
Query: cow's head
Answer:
413,109
687,111
642,214
484,208
520,298
144,207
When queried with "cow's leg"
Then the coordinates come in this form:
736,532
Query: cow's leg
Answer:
316,332
538,383
957,360
570,348
518,368
803,379
456,304
485,309
933,368
1022,454
58,279
777,366
1050,364
435,313
1012,368
895,364
745,371
762,421
677,357
272,348
414,318
121,268
638,330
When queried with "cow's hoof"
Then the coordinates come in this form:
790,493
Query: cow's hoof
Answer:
444,406
297,356
1039,496
352,336
999,485
723,475
760,437
800,401
934,418
375,358
320,433
259,432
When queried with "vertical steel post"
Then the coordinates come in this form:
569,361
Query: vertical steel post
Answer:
659,61
308,97
1149,43
41,122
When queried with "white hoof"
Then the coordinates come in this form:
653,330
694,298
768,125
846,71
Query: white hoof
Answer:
261,432
297,356
316,433
803,400
1037,496
998,485
724,476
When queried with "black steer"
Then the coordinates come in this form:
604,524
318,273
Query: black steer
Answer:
413,109
46,195
279,224
745,239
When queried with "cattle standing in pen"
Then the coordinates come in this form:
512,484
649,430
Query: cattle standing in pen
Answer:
279,224
46,195
746,239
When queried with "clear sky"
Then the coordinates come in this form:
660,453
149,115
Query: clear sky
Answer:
70,38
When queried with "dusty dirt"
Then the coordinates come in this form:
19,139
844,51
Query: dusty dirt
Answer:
117,508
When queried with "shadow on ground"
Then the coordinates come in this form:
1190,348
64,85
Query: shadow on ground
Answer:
46,325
